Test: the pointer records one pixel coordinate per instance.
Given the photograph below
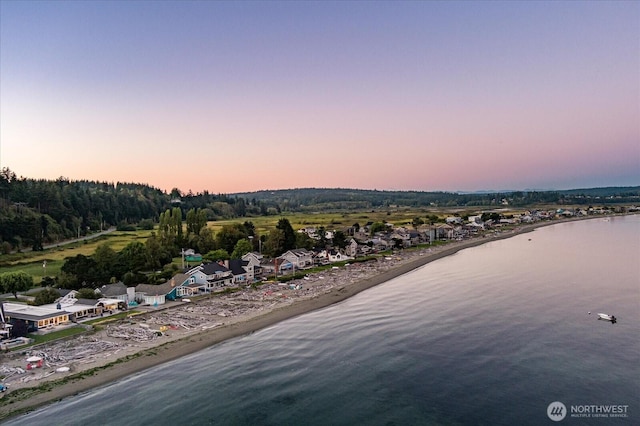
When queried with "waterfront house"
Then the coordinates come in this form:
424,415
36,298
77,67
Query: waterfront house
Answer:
114,291
253,265
277,266
299,258
331,256
218,275
352,248
155,294
442,231
33,318
240,271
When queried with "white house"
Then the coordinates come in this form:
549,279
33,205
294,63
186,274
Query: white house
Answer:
253,265
332,256
352,248
299,258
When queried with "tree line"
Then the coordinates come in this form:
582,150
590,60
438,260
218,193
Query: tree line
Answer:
319,199
37,212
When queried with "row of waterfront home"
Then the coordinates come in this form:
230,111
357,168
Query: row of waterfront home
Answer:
216,276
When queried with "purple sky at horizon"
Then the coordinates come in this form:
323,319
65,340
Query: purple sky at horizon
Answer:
243,96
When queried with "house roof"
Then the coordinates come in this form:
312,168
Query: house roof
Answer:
31,313
178,279
116,289
213,268
153,289
88,302
253,254
298,252
237,266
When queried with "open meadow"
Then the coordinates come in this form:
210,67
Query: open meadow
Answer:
32,262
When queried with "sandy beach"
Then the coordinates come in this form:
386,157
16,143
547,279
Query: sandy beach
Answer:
117,354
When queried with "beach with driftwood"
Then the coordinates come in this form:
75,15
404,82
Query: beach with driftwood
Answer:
127,346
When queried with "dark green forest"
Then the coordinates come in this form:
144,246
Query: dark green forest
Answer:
36,212
318,199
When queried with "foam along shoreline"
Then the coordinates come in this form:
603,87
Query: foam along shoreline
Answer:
164,351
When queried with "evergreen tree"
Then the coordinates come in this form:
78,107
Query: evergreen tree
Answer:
288,233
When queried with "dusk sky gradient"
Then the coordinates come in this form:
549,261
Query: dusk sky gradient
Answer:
243,96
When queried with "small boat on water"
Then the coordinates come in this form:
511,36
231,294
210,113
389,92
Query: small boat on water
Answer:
607,317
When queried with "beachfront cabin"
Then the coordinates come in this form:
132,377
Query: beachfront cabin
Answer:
441,231
331,256
33,318
196,275
114,291
79,308
185,285
181,285
254,261
278,266
154,295
218,275
352,248
207,278
110,305
240,271
217,270
379,244
299,258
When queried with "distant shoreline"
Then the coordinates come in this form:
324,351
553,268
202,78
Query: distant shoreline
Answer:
169,351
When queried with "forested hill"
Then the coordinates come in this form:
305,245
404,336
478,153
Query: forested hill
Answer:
314,199
36,212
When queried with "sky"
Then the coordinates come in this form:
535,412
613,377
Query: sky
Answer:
244,96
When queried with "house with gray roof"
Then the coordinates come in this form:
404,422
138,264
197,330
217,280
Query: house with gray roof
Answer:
155,294
299,258
240,270
114,291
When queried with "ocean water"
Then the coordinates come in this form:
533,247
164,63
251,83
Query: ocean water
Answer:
489,336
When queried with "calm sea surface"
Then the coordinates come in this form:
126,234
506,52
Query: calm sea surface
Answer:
489,336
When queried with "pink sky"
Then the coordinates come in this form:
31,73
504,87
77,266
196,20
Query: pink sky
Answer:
233,97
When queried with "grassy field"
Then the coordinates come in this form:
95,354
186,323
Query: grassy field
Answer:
330,221
31,262
55,335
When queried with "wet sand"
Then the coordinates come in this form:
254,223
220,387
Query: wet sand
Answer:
162,351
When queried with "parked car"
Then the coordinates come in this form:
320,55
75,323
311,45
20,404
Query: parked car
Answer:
3,388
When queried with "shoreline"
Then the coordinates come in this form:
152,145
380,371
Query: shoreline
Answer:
160,352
